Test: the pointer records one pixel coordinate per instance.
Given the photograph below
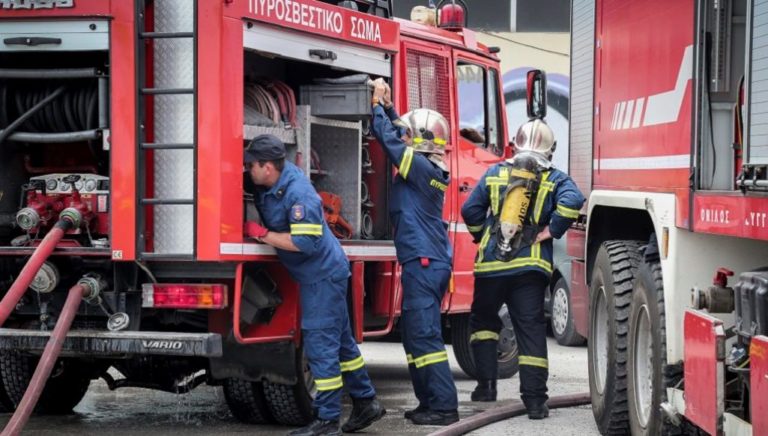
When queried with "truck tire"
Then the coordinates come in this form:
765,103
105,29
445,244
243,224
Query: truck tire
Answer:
508,352
647,353
561,315
292,404
610,296
63,390
246,401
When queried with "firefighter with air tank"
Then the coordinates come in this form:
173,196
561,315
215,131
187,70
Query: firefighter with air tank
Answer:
513,213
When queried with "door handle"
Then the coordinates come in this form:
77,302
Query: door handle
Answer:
323,54
465,187
31,41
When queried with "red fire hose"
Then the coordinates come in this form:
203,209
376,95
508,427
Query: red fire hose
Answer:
30,270
496,414
48,359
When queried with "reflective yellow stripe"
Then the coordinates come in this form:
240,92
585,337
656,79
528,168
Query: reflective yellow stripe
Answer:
536,251
435,184
495,183
352,365
306,229
475,229
483,243
534,361
484,335
329,384
545,188
567,212
405,162
430,359
410,358
481,267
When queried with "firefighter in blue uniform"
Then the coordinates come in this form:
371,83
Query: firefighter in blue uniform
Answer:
415,144
518,279
293,223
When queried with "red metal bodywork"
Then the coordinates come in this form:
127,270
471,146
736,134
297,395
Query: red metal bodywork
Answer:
633,67
704,355
758,357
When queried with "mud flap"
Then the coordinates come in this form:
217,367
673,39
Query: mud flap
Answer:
704,370
758,356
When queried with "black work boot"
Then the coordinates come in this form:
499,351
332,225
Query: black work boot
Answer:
540,411
365,411
318,427
435,417
409,413
485,391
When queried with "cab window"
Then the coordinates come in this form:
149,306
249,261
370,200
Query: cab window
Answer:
479,116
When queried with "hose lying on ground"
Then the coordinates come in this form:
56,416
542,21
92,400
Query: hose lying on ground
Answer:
500,413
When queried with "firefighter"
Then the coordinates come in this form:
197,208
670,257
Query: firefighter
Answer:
515,267
415,144
293,223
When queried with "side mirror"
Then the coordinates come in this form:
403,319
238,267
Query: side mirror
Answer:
536,94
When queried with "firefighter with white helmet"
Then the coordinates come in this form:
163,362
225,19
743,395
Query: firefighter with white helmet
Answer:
415,143
515,210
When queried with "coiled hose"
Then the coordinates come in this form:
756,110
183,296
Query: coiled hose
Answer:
74,110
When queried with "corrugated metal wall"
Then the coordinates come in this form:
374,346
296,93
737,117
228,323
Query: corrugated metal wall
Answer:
758,86
582,94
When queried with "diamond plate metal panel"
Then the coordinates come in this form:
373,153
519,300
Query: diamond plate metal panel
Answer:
174,63
174,227
174,118
174,15
339,151
174,122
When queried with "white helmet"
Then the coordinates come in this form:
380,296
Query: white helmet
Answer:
535,136
428,129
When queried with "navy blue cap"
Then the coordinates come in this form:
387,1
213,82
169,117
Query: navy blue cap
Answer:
264,148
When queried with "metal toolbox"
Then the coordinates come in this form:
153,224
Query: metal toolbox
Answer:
349,102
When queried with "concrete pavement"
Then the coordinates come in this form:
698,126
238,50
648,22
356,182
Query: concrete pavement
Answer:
203,411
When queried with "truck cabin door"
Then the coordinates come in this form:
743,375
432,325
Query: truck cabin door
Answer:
480,143
426,82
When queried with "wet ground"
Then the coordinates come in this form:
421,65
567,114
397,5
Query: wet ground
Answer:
203,412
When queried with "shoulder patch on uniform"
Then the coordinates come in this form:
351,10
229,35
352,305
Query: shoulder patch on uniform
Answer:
297,212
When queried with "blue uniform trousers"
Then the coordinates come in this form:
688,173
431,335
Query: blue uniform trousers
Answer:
423,290
331,350
524,296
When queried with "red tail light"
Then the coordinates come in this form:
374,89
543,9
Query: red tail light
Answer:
184,296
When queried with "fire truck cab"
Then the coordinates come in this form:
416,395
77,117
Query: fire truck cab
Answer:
128,119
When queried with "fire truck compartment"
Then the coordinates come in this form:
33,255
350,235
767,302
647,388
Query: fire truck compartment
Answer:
333,149
54,130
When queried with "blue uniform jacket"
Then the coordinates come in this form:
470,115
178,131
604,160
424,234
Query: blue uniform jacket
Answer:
557,204
418,195
292,205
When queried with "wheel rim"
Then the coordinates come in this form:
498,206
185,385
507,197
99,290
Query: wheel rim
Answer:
507,348
599,339
560,311
642,347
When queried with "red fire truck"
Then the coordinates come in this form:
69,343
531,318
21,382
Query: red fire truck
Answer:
668,132
122,127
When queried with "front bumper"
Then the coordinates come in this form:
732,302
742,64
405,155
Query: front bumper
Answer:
95,343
